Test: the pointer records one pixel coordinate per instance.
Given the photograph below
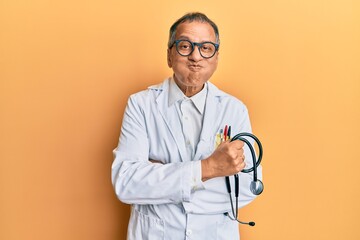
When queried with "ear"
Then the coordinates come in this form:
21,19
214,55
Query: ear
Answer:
217,58
169,58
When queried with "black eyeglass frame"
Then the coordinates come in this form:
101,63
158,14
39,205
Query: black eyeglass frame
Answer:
193,44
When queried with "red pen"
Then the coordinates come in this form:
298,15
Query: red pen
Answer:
225,132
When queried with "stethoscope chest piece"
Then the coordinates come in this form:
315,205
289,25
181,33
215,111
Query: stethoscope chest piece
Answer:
257,187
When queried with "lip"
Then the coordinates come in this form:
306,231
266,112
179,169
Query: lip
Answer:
194,67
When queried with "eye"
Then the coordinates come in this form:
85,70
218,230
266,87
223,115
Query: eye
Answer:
184,45
207,47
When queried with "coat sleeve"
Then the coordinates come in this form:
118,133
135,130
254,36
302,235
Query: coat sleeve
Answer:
134,178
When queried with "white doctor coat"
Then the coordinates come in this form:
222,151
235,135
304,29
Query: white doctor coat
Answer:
164,203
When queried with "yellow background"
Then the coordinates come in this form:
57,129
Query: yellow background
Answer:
68,67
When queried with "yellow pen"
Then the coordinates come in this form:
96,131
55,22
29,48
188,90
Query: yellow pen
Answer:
218,139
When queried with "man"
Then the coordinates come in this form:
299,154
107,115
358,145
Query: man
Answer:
167,164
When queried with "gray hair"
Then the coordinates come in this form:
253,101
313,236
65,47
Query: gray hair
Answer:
190,17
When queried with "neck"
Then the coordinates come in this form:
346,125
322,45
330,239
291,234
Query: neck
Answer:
189,91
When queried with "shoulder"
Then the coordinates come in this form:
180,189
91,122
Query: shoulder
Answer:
150,94
225,99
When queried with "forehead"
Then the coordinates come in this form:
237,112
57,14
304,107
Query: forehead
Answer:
195,31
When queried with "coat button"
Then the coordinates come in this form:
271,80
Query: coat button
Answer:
188,232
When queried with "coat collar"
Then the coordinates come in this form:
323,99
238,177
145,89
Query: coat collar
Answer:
213,91
175,94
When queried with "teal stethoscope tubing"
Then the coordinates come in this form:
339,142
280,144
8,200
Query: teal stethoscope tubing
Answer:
256,163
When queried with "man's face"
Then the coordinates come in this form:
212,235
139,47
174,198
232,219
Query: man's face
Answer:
193,71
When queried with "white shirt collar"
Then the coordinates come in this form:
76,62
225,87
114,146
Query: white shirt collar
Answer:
199,99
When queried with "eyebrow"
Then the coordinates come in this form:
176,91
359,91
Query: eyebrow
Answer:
182,37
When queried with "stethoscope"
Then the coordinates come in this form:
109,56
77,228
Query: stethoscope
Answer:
256,186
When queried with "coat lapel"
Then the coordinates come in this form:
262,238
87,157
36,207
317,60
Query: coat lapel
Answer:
211,118
171,118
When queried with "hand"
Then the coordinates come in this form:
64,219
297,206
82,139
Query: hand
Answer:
156,161
227,159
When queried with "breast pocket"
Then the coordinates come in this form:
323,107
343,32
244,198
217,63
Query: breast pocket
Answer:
205,148
142,226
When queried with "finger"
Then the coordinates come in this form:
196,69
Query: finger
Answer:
241,151
155,161
241,159
243,165
240,166
237,144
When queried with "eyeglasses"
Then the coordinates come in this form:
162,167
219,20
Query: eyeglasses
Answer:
186,47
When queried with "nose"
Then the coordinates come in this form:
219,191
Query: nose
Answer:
195,55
